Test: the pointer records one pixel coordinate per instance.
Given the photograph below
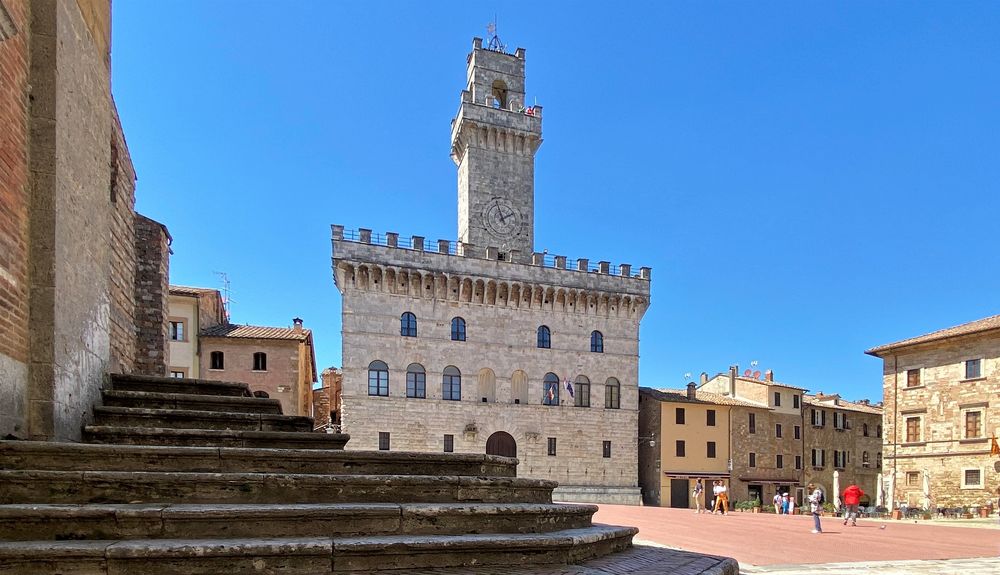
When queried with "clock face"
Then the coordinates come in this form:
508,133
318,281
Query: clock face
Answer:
501,218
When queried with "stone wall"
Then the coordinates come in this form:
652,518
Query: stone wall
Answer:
152,296
852,440
122,254
650,426
14,209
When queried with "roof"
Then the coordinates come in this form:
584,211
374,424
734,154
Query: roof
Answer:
255,332
725,374
978,326
680,396
821,400
190,291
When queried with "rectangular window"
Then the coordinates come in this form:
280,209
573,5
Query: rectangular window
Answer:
838,459
680,448
552,446
795,401
777,399
582,395
710,415
177,374
779,461
798,431
449,443
777,430
679,416
819,458
973,369
878,460
260,361
416,384
378,382
611,396
711,450
973,424
383,441
753,460
798,462
912,478
912,429
912,377
972,478
177,331
607,449
753,423
451,387
218,360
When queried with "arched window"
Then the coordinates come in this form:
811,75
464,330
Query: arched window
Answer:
544,337
581,391
596,342
218,360
865,460
864,429
457,329
550,389
260,361
499,94
878,430
416,381
378,378
878,460
612,394
487,385
519,387
451,384
408,325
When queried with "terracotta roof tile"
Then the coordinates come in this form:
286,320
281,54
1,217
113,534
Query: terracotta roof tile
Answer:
841,404
985,324
680,395
190,291
255,332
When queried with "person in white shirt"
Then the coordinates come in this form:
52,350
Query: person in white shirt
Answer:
699,492
816,506
777,503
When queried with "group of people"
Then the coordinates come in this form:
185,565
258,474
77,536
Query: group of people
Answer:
784,504
720,497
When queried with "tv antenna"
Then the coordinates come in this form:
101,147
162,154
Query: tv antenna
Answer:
227,294
493,40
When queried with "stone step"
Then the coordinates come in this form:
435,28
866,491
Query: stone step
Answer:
26,522
190,419
309,555
213,437
43,455
186,385
190,401
82,487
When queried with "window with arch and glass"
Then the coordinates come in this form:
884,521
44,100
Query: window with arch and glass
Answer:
451,384
218,360
596,342
581,391
260,361
416,381
550,389
378,378
457,329
544,337
612,394
408,325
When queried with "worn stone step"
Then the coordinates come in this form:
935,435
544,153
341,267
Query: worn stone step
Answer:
27,522
80,487
309,555
213,437
128,382
190,419
190,401
43,455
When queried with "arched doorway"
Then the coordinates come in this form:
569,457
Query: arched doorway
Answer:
501,443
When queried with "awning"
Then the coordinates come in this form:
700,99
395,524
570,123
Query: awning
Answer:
789,481
697,474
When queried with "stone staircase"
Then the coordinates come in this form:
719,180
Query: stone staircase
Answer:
196,477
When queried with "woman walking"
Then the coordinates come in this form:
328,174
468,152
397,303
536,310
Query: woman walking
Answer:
816,506
699,492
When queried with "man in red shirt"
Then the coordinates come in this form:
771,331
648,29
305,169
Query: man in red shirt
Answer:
852,498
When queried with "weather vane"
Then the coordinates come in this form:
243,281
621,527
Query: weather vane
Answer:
494,40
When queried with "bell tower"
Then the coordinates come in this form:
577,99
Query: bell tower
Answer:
493,142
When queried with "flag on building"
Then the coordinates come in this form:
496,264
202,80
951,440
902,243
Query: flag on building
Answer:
552,393
994,447
569,387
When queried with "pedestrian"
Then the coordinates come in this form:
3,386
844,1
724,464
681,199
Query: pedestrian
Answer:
777,503
699,492
791,504
815,505
722,499
784,503
852,498
715,495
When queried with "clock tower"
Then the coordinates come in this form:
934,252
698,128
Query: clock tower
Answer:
493,143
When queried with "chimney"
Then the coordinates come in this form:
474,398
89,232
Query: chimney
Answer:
297,325
704,378
769,375
691,392
732,379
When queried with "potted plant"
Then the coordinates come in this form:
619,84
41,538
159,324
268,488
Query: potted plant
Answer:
755,506
829,510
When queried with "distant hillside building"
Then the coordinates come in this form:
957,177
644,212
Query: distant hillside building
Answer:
486,345
942,407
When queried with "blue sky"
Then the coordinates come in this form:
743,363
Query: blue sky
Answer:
807,180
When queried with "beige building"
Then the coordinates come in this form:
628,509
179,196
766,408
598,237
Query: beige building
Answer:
191,309
684,435
475,346
275,362
942,406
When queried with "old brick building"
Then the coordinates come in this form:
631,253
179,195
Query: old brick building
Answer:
942,406
474,346
326,399
82,277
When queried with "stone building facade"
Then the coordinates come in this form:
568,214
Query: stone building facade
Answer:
191,310
474,346
276,361
68,292
327,399
942,407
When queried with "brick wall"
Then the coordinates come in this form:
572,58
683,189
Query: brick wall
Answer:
122,253
14,204
152,293
281,378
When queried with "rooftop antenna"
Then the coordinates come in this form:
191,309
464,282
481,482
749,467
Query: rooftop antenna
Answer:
227,294
494,41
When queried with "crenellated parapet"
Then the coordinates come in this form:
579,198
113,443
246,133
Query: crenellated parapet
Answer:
453,271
